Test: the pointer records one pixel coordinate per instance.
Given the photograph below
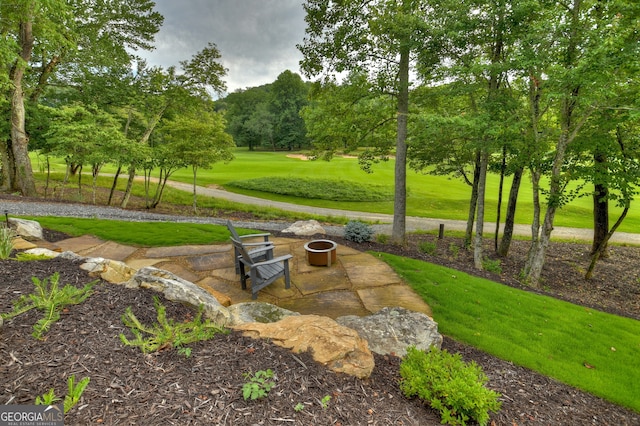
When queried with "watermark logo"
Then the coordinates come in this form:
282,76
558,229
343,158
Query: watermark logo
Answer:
31,415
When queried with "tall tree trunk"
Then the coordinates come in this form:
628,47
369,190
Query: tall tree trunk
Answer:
195,195
509,222
6,182
477,245
22,179
398,232
143,140
473,203
597,253
600,207
127,190
114,184
503,169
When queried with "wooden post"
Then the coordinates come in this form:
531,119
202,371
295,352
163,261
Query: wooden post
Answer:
441,231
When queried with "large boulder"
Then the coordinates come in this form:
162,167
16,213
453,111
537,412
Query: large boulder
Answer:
305,227
30,230
242,313
393,330
179,290
337,347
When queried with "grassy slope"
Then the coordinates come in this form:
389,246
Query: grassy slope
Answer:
589,349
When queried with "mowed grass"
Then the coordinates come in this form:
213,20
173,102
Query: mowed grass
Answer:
428,196
585,348
142,234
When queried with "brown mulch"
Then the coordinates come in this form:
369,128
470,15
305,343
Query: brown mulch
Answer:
128,387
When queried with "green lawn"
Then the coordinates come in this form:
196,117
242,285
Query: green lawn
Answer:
582,347
428,196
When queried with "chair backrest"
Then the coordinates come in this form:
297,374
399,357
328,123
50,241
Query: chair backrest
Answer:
232,230
241,250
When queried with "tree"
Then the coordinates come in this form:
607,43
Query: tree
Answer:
589,42
58,39
51,19
162,90
378,38
249,120
84,136
288,96
200,141
348,117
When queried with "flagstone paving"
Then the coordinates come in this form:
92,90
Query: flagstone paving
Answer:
356,284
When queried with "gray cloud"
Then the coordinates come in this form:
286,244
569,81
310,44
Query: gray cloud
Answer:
256,38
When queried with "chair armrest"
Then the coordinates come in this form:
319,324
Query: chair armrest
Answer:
274,260
259,244
264,235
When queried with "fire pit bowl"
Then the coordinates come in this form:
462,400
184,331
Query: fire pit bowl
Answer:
321,252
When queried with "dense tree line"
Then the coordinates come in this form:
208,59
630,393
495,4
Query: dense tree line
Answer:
544,87
268,117
76,89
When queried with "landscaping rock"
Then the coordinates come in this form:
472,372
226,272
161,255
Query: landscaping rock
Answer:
27,229
305,227
69,255
339,348
176,289
109,270
393,330
42,252
242,313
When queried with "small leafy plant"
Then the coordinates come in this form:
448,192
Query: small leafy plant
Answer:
50,299
358,232
299,407
167,332
382,238
258,385
451,386
325,401
454,249
428,247
6,242
492,265
74,392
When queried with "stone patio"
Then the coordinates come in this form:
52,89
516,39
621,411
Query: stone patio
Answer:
356,284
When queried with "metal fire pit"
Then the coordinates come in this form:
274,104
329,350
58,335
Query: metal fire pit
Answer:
321,252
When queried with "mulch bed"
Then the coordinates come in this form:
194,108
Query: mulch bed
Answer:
128,387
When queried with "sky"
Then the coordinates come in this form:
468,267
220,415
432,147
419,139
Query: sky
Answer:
256,38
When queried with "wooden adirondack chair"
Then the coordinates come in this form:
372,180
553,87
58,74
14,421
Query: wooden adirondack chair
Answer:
262,250
261,273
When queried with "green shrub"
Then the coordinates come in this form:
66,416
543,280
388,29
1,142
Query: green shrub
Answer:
382,238
492,265
454,249
428,247
357,231
451,386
